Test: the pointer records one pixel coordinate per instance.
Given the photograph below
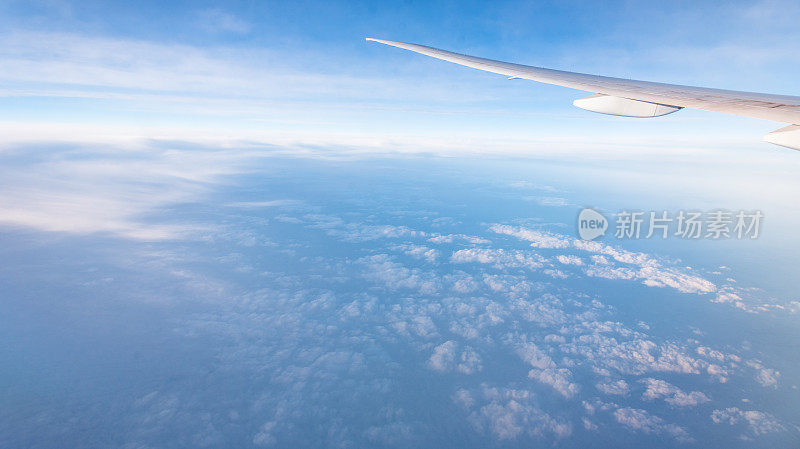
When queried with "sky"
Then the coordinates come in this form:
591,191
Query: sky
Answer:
241,224
299,78
288,72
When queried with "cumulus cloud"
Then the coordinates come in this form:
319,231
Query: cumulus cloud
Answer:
358,232
447,357
381,268
461,282
264,436
643,421
558,378
632,354
556,274
443,356
500,258
619,387
627,265
552,338
452,238
569,259
671,394
418,251
765,376
609,272
546,371
538,239
758,423
463,398
730,297
509,414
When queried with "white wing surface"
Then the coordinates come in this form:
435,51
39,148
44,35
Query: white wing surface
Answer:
633,98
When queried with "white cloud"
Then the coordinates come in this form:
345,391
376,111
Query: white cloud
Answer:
558,378
620,387
500,258
443,356
655,276
609,272
91,189
569,259
261,204
216,20
463,398
631,353
447,357
452,238
555,274
418,251
629,265
643,421
548,200
383,269
765,376
758,423
545,370
511,413
470,362
358,232
552,338
538,239
671,394
391,434
264,436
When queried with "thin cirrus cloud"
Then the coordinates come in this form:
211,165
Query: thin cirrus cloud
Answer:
96,189
217,20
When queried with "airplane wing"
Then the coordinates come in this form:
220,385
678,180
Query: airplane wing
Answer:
633,98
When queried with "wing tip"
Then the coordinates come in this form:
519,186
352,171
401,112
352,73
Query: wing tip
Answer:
382,41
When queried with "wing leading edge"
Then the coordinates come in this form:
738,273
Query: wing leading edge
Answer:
641,98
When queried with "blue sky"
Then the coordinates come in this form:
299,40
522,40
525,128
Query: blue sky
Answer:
299,78
300,72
